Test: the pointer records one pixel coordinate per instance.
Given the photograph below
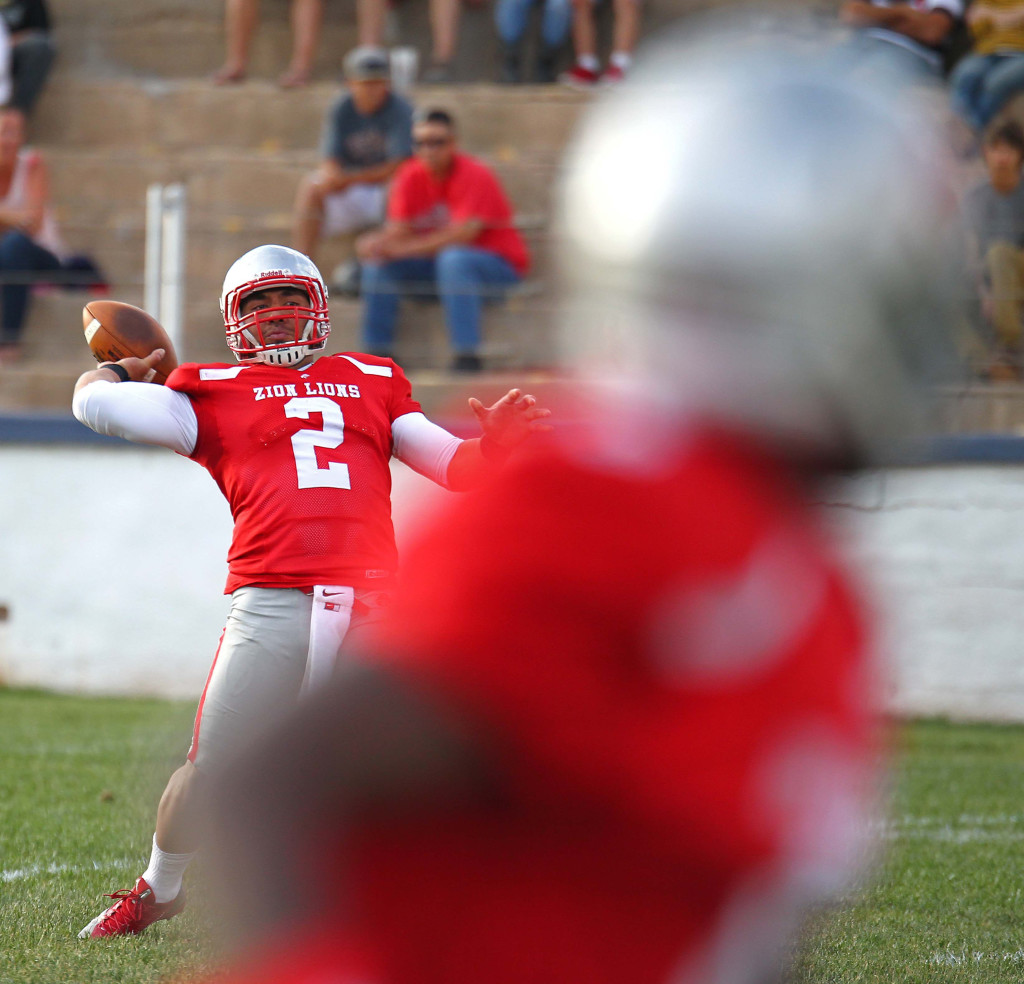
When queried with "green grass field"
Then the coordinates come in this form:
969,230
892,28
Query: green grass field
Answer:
79,781
79,784
948,902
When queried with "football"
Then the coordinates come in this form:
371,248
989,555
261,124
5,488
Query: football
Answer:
115,330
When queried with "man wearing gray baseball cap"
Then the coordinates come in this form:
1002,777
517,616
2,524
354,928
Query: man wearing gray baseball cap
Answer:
367,134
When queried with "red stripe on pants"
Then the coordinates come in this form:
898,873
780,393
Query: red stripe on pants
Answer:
194,747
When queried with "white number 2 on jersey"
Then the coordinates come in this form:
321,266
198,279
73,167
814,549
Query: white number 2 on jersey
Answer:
305,443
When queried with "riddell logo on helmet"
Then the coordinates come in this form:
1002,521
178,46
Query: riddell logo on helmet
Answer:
274,273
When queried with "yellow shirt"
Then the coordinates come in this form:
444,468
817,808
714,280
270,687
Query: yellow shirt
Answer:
989,31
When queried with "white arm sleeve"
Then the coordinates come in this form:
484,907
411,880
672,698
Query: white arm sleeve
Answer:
423,446
140,412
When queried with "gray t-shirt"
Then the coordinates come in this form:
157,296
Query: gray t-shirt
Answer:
992,217
356,141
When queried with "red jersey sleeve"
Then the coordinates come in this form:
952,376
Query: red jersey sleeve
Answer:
188,379
401,395
184,379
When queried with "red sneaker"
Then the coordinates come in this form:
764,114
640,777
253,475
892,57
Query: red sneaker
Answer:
612,75
134,910
579,77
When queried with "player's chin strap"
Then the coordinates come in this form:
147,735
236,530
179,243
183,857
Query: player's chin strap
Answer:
283,356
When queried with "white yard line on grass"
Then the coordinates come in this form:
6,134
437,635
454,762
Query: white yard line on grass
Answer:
965,829
19,874
952,958
964,820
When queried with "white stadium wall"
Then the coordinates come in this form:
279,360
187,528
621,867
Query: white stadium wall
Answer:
942,549
112,568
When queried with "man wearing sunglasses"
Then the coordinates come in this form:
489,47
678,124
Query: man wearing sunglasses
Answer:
449,231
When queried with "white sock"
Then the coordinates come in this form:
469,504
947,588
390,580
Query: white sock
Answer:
165,872
589,62
621,60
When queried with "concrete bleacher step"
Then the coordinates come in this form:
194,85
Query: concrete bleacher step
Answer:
165,116
517,333
231,188
984,408
26,388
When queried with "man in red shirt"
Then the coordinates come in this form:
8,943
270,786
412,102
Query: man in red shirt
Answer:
620,729
450,229
300,445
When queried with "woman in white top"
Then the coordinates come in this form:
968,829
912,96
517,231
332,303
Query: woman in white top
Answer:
29,244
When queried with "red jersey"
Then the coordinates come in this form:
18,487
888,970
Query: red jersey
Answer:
667,667
302,456
470,191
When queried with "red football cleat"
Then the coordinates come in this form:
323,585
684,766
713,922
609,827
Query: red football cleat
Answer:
134,910
579,77
612,75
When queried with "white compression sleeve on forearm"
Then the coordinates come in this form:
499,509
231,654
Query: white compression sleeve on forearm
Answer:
140,412
424,446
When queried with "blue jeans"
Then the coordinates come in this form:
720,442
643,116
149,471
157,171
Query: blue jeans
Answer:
20,258
511,17
462,276
982,84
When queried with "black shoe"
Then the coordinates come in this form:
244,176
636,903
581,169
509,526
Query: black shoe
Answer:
512,65
467,363
545,72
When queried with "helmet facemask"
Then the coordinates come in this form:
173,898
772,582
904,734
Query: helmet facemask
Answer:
253,340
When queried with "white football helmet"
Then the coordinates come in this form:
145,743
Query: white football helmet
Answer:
260,269
751,234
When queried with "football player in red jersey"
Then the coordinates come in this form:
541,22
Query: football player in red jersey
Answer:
620,727
300,445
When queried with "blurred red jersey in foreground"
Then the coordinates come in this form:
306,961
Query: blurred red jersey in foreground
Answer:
653,641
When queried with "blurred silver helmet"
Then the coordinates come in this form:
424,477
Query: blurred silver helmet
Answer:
748,233
263,268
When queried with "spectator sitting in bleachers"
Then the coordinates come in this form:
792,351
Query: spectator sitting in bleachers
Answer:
29,242
367,135
32,49
994,228
240,18
449,230
985,80
908,37
511,18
